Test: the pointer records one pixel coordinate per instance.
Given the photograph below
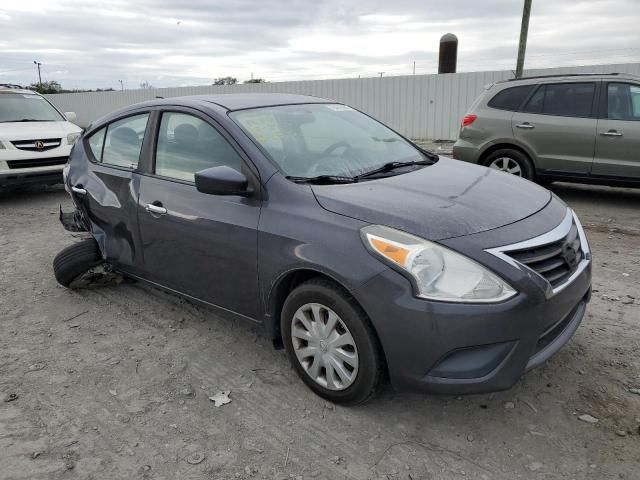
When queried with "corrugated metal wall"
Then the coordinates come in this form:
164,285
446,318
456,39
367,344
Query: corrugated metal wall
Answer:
418,106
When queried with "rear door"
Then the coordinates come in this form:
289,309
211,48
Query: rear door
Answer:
558,124
618,140
106,186
198,244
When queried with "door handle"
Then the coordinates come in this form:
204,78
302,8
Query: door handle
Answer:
611,133
157,209
79,190
526,126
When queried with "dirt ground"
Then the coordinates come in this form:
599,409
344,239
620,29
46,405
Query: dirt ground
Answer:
114,382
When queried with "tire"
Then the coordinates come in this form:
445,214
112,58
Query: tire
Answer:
508,157
369,366
75,260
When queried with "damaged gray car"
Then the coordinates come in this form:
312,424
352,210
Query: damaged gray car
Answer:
364,256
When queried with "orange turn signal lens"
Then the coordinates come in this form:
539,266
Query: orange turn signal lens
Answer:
393,252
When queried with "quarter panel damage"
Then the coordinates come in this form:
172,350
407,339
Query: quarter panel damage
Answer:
73,221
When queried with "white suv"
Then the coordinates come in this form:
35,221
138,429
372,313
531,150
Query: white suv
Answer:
35,138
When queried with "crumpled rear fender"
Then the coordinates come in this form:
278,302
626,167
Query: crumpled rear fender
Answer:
73,222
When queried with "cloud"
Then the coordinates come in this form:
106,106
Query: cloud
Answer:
170,42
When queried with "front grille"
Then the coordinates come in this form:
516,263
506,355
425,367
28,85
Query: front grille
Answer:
37,162
37,145
555,261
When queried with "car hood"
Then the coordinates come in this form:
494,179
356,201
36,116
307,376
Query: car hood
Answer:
36,130
445,200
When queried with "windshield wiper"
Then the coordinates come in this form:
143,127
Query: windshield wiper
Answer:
323,179
387,167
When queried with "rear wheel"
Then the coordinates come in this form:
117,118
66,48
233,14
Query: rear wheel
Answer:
330,343
75,260
511,161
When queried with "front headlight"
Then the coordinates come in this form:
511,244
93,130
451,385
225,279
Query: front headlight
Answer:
436,272
72,137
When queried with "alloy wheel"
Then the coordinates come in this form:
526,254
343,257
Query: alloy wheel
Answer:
507,164
324,346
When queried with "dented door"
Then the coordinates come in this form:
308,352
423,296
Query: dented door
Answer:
106,187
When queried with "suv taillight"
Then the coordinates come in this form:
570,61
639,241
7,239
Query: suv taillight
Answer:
468,120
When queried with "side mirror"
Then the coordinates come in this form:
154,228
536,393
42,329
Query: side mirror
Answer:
70,116
221,180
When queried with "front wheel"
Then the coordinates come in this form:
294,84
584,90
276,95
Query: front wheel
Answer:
331,343
511,161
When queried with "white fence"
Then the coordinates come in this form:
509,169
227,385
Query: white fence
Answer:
418,106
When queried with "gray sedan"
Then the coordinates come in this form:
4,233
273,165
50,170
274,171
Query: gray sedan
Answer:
363,255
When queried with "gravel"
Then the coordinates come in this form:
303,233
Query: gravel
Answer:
164,356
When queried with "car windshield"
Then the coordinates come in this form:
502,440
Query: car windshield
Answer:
312,140
26,107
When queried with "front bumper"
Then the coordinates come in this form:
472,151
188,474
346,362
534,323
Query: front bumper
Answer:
35,175
456,348
19,167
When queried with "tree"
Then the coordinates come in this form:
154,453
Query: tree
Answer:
146,84
256,80
53,86
46,87
225,81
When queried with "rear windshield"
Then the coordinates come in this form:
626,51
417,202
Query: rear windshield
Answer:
26,107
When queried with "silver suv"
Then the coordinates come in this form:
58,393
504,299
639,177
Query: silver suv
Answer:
583,128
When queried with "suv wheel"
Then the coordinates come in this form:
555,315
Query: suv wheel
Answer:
511,161
330,343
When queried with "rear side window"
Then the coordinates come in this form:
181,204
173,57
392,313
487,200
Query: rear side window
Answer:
563,100
123,141
95,143
511,98
535,103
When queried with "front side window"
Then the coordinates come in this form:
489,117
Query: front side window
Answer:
27,107
623,101
511,98
563,99
123,141
187,145
310,140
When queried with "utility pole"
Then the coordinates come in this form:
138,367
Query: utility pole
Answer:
414,67
524,29
39,76
381,73
121,86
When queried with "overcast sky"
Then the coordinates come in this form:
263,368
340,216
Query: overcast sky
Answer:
85,44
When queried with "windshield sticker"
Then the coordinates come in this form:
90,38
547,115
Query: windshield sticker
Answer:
340,108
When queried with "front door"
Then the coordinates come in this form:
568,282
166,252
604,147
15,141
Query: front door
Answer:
558,124
618,139
201,245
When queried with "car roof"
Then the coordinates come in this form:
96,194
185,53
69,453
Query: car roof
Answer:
242,101
571,76
9,88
